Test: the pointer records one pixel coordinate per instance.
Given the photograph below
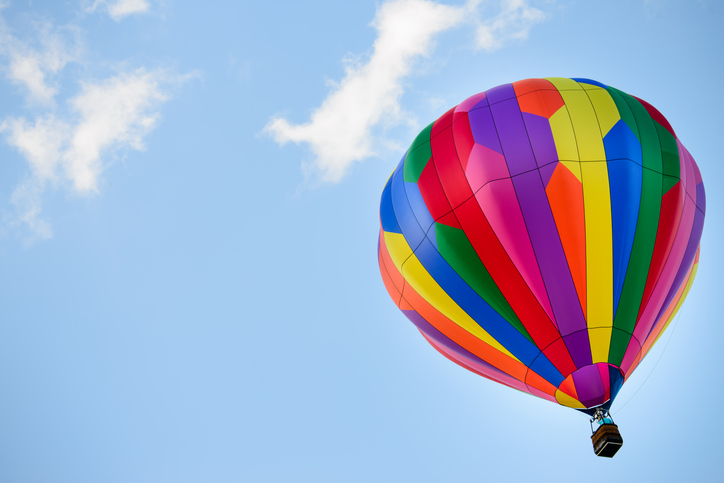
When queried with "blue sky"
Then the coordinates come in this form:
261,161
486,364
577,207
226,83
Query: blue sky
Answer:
188,220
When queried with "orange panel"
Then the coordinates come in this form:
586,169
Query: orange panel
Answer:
536,381
565,195
569,387
538,96
462,337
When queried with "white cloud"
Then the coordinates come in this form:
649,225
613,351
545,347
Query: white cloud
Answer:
106,116
117,112
33,68
340,131
27,200
122,8
513,23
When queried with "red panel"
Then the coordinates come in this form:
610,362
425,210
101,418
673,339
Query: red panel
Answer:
558,354
434,196
538,96
463,137
672,205
450,220
605,379
449,170
442,123
656,115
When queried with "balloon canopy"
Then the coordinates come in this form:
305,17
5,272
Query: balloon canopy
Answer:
543,234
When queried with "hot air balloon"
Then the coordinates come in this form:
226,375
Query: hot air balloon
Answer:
543,234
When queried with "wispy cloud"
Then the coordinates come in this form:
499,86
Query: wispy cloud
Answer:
106,116
340,131
71,141
121,8
514,22
34,65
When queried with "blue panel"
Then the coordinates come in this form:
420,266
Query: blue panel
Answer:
417,203
403,212
485,316
581,80
545,368
625,176
616,379
387,214
625,179
622,143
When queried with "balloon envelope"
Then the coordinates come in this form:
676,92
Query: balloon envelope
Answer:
543,234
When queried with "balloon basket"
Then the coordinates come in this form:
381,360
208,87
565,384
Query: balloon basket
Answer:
605,438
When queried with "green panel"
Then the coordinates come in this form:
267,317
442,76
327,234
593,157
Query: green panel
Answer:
669,182
648,135
646,226
456,249
669,157
418,155
623,110
619,344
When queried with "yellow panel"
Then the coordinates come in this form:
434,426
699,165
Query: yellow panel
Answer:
600,339
574,167
423,283
563,135
398,248
599,254
566,400
583,118
563,83
605,107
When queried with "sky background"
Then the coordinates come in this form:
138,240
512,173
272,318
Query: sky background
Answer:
189,197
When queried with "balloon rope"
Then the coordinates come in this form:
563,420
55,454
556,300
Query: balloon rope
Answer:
671,334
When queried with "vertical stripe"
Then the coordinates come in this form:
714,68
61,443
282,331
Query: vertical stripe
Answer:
597,212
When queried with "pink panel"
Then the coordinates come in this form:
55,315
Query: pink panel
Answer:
500,206
673,263
632,356
478,368
485,165
469,103
542,395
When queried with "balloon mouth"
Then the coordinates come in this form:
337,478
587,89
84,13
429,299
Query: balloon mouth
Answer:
590,387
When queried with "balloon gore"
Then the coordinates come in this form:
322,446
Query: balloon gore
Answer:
543,234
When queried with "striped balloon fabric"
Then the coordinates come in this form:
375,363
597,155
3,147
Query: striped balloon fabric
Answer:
543,234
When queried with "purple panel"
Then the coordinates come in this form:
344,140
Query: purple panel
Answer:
500,93
579,347
549,253
425,327
513,136
483,129
481,103
701,197
589,387
546,172
541,138
470,103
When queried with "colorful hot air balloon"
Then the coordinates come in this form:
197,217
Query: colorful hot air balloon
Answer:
543,234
